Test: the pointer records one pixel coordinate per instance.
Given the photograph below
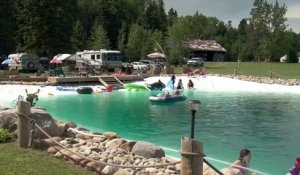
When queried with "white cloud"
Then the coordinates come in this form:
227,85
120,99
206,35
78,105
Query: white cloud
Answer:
293,11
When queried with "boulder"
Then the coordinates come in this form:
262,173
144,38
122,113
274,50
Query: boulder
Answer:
53,149
111,135
9,120
115,143
127,146
46,143
44,120
71,125
108,170
147,150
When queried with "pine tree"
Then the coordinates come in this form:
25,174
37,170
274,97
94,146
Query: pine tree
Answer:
7,26
45,27
99,38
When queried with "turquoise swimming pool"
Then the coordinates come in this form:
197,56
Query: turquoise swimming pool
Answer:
266,123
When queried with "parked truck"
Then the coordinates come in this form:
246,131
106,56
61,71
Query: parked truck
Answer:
109,59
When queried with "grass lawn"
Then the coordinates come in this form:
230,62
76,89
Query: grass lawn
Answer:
19,161
259,69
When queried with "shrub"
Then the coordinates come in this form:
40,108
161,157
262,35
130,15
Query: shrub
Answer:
4,135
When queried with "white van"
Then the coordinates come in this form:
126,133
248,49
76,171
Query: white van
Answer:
109,59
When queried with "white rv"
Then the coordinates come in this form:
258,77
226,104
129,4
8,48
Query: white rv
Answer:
109,59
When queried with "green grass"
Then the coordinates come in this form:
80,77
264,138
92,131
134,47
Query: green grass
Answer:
259,69
19,161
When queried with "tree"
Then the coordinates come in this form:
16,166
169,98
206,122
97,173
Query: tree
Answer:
172,16
267,24
45,27
123,38
154,17
79,38
139,44
7,26
99,38
179,32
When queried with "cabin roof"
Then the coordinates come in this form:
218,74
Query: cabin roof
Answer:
204,45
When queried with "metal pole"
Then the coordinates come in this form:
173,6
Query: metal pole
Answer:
193,123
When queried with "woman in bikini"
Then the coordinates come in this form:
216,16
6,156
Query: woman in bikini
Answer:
239,166
243,161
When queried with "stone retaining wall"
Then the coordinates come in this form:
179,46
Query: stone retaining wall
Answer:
266,80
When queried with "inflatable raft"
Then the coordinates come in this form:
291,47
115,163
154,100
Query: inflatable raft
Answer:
84,90
167,98
135,87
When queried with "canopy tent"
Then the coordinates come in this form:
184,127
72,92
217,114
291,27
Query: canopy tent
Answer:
156,55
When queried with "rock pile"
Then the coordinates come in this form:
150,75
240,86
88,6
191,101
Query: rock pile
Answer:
109,148
266,80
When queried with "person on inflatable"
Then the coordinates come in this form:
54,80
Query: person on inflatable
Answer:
296,169
167,94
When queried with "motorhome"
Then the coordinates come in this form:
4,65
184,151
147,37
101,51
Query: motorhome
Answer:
109,59
23,61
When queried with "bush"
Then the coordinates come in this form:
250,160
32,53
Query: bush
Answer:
4,135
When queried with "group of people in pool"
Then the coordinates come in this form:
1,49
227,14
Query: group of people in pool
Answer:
179,86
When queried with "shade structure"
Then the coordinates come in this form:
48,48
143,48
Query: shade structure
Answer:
156,55
58,59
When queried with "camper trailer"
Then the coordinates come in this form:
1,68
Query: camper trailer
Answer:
109,59
23,61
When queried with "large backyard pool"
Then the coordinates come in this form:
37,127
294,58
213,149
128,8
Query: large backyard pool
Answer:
266,123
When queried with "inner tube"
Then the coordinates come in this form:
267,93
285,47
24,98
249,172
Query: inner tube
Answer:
170,98
84,90
156,86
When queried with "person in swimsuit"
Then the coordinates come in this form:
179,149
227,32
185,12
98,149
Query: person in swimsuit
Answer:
190,84
243,161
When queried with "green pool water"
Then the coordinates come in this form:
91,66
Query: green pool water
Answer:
266,123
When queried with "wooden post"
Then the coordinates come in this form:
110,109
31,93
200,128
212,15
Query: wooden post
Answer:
270,73
235,71
23,123
191,157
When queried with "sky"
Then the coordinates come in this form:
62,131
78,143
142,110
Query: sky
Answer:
234,10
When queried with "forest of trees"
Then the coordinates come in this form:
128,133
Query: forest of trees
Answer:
135,27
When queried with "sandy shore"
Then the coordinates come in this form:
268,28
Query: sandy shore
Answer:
10,92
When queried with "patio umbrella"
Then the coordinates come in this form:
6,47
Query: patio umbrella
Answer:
8,61
58,59
156,55
55,61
